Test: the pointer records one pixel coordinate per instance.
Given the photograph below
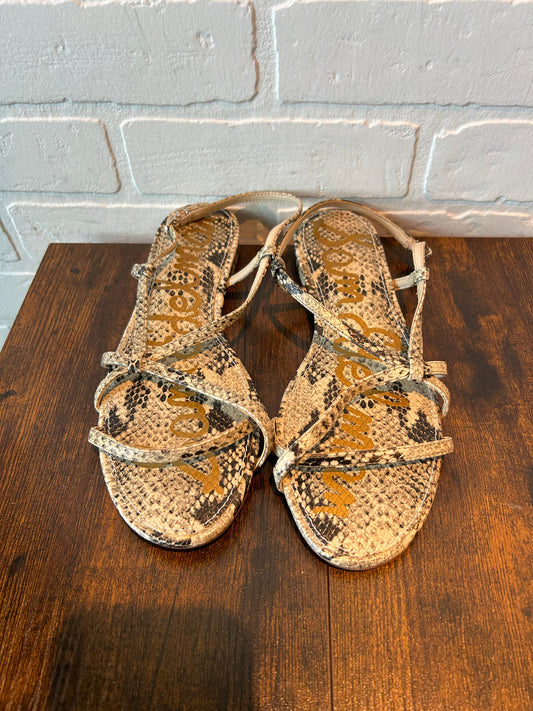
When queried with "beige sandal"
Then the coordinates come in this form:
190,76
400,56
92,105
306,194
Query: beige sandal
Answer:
359,430
181,429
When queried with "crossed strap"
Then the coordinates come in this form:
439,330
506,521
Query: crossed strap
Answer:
300,450
393,365
160,362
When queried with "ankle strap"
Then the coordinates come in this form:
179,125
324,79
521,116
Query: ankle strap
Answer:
400,235
191,213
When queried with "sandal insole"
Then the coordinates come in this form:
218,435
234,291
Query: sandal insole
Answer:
178,504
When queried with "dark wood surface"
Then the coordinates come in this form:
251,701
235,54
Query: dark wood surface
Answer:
93,617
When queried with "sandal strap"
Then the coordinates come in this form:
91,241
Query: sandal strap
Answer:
310,437
418,277
397,367
179,218
211,330
134,357
192,213
143,455
405,454
250,407
324,315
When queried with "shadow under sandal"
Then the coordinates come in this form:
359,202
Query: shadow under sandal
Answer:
181,429
358,435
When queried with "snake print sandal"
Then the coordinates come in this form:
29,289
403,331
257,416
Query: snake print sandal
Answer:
358,435
181,429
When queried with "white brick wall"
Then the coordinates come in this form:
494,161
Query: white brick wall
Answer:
131,53
112,112
38,223
308,157
483,162
65,155
386,52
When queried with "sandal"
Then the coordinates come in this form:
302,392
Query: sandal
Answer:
181,429
358,434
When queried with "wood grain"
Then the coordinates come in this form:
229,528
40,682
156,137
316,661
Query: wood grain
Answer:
93,617
447,625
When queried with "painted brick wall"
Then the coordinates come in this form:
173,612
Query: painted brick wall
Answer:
112,113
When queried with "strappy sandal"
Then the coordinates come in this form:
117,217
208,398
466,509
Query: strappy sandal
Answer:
181,429
358,434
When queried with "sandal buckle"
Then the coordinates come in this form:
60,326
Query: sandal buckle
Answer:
143,270
420,275
266,252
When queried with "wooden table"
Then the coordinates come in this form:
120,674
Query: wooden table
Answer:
93,617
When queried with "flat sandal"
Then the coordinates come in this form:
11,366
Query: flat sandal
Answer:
181,429
358,434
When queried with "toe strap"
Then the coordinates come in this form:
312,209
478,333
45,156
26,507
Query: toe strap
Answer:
145,455
346,461
387,455
248,406
303,446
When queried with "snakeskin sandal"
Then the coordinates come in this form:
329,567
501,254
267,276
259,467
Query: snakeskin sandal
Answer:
358,435
181,429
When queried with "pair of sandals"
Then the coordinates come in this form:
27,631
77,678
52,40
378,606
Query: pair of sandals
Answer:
358,436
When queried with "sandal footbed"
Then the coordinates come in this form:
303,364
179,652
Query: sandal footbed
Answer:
189,503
